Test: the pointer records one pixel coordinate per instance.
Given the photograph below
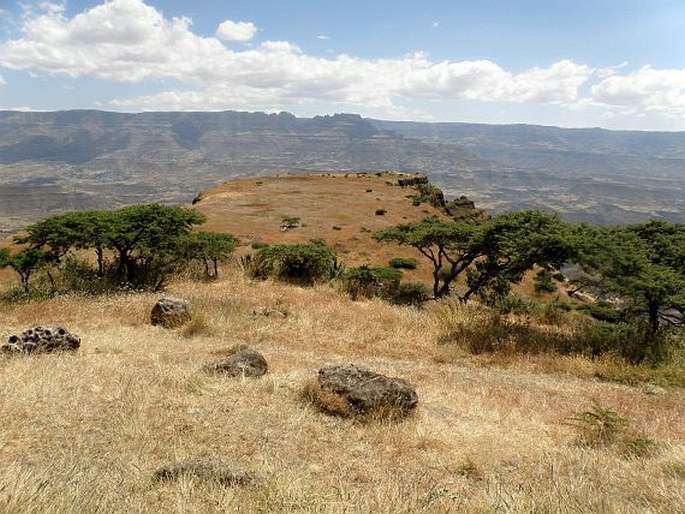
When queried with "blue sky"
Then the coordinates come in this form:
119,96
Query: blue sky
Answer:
609,63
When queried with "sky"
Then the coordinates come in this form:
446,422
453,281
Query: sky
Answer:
617,64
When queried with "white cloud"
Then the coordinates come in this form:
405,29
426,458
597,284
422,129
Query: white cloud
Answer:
323,36
128,41
3,82
236,31
646,90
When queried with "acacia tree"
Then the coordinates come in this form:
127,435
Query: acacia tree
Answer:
644,266
145,239
446,244
60,234
24,263
208,247
511,244
493,254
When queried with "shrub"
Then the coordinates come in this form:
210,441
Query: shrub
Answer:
368,282
402,263
602,311
303,263
381,212
598,426
544,283
414,294
290,222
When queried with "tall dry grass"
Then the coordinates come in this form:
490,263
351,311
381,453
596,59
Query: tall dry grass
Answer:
86,432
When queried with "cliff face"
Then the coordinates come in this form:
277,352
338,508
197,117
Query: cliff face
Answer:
52,162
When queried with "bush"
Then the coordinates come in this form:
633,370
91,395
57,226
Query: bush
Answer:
380,212
413,294
303,263
602,311
402,263
368,282
544,283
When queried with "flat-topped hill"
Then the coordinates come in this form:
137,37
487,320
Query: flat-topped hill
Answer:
343,209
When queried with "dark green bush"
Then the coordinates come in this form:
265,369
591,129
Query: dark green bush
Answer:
402,263
368,282
410,293
303,263
544,282
603,311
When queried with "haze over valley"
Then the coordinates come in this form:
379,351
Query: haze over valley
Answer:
75,160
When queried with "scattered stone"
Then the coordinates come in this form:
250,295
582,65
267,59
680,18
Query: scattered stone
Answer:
269,312
365,391
42,339
207,469
170,313
243,363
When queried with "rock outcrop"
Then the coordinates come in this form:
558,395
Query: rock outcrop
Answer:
42,339
171,313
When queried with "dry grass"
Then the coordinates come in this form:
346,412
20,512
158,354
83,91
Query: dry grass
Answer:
86,432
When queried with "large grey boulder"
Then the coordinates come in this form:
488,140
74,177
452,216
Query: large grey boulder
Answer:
365,392
207,469
42,339
243,363
171,313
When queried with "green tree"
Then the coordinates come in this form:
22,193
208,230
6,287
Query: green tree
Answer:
208,247
446,244
493,254
24,263
643,266
145,240
60,234
512,243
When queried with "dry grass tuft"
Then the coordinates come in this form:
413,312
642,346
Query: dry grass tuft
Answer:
197,327
326,401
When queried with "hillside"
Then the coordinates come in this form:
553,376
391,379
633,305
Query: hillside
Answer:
52,162
491,433
502,422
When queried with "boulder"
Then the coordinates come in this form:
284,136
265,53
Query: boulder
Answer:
207,469
170,313
243,363
365,391
42,339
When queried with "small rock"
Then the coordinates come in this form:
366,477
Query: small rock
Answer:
42,339
366,391
209,469
170,313
243,363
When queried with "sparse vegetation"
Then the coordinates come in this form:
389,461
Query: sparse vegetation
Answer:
488,428
496,377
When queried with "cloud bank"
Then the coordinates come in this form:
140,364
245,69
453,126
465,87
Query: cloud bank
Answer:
128,41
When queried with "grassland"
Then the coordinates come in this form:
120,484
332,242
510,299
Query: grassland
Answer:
86,432
494,432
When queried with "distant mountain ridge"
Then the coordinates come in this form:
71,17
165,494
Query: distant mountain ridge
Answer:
56,161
